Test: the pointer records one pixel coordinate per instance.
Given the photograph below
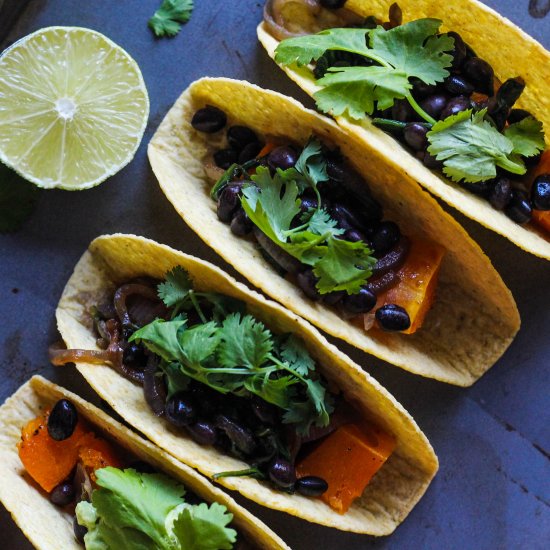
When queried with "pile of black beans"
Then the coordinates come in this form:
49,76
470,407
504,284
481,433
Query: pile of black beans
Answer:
349,202
248,428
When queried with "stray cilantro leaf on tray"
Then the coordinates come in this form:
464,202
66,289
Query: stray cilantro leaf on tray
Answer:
471,148
17,200
168,18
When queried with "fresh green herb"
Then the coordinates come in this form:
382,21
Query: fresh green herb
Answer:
168,18
471,148
527,136
236,354
17,200
406,51
134,511
247,472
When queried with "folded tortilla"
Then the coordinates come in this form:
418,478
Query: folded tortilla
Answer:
509,50
474,317
390,495
49,527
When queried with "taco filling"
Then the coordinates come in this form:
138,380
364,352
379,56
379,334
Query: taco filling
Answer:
221,376
429,90
314,219
117,502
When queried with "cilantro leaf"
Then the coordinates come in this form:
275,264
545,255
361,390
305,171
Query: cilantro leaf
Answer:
17,200
345,266
527,136
471,148
415,49
398,54
245,342
304,49
272,203
312,164
168,18
162,338
273,390
176,287
321,223
295,354
199,343
203,527
356,89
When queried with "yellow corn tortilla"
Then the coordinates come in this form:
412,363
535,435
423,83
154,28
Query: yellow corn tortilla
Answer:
391,494
49,527
474,317
509,50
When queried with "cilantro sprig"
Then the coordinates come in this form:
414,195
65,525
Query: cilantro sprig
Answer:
471,148
168,18
411,50
272,203
233,352
130,509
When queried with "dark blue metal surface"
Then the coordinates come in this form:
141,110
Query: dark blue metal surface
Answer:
493,488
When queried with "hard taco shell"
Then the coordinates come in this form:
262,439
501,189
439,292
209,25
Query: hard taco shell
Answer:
474,318
49,527
509,50
391,494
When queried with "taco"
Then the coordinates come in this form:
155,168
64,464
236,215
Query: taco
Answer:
239,388
473,317
59,452
455,93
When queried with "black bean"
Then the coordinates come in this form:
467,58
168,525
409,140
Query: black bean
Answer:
334,298
239,137
403,111
203,432
307,281
394,259
181,409
332,4
264,411
421,90
241,224
282,473
517,115
540,192
501,194
385,237
311,486
457,85
519,209
79,530
415,135
63,494
354,236
240,436
362,302
224,158
434,104
209,119
455,106
229,201
383,283
431,162
308,203
346,216
134,356
142,467
481,188
392,317
62,420
250,152
282,157
480,74
459,52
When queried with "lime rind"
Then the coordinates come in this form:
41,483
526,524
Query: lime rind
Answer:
73,107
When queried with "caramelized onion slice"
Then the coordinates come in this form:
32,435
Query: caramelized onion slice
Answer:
121,295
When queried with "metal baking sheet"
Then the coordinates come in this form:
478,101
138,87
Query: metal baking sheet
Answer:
492,491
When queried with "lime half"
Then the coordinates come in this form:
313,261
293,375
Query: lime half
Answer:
73,107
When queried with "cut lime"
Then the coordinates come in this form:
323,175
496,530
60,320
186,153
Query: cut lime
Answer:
73,107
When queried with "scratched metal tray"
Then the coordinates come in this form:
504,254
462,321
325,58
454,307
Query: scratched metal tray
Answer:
492,491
